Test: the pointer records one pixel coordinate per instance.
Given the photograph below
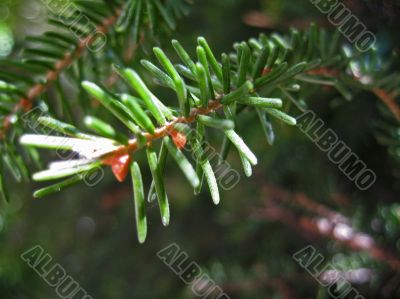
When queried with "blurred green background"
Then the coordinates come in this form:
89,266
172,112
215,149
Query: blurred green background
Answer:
91,231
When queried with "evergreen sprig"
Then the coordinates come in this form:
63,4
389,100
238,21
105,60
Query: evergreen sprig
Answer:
260,74
268,74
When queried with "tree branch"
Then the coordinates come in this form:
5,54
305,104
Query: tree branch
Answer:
25,103
340,231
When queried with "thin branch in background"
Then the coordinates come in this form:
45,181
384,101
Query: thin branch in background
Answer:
302,200
389,101
342,233
387,98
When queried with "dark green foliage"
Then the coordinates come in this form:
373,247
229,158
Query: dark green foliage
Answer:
134,120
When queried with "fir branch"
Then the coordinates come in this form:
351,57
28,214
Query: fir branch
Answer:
25,103
209,92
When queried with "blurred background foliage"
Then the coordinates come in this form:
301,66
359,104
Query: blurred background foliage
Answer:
246,243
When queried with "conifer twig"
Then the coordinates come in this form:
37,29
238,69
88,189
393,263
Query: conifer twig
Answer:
25,103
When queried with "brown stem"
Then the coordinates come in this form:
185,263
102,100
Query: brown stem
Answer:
166,129
214,105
